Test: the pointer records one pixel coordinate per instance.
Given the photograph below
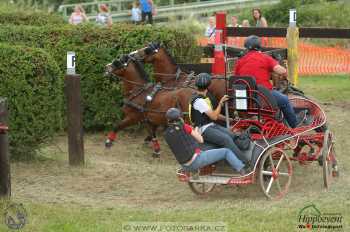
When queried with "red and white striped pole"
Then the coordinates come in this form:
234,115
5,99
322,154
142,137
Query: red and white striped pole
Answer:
218,67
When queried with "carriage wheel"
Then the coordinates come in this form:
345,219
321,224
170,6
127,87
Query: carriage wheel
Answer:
328,159
201,188
275,173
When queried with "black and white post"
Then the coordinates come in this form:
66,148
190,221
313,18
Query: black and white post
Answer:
292,41
74,113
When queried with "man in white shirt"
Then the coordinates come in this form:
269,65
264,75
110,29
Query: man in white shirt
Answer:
204,113
210,31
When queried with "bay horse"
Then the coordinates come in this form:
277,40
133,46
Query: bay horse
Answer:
167,71
143,100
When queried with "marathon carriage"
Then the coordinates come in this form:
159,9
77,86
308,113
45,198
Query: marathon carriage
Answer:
274,145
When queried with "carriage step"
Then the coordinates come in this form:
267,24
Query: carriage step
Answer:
212,179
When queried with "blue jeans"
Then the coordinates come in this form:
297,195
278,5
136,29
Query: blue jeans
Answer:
222,137
285,106
211,156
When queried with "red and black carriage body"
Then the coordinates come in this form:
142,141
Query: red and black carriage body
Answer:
274,145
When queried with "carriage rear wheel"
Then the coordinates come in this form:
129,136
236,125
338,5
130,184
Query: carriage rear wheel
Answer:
201,188
275,173
328,159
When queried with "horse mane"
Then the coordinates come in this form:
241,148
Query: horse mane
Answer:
171,58
141,70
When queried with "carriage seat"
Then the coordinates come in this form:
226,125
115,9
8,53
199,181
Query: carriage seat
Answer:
257,95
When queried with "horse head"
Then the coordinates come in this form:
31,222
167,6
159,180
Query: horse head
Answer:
151,53
128,69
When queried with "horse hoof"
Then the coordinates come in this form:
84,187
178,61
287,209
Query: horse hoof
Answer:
108,143
156,155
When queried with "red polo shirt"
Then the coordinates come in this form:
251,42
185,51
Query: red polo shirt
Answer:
258,65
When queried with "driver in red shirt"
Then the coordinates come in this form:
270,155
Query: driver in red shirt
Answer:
260,66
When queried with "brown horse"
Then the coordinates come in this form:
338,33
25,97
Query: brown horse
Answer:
143,101
167,71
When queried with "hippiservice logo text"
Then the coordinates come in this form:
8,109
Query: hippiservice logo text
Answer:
311,218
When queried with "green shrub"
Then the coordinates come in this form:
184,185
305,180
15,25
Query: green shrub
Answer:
24,16
32,83
310,13
95,47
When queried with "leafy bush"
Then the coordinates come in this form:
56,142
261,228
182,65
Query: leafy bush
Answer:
95,47
311,13
32,83
22,16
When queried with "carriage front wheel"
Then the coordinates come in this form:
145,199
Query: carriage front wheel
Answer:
275,173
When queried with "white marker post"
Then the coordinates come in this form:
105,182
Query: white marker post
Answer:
292,40
292,17
74,113
70,63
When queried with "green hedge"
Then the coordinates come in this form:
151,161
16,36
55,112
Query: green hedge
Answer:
22,16
95,47
32,83
310,13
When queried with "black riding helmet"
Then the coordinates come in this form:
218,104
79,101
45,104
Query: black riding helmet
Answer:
173,114
252,42
203,80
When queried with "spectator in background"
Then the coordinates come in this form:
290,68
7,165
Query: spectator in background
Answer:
104,18
210,31
78,16
260,21
245,23
234,21
135,13
146,10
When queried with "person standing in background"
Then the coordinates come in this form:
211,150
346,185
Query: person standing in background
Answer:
146,10
234,41
135,13
245,23
104,18
234,21
210,30
260,21
78,16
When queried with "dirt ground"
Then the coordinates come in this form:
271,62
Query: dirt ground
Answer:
127,175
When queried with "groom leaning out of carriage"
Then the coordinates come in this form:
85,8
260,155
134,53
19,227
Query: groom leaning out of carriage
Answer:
185,143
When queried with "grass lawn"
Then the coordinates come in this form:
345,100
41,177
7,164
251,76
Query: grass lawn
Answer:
125,184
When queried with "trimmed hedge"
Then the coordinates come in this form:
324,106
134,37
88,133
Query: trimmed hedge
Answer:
95,47
32,83
8,15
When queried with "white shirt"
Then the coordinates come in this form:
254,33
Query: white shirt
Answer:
102,18
202,106
210,31
135,14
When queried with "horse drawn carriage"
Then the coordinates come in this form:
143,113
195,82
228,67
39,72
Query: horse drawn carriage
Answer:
273,144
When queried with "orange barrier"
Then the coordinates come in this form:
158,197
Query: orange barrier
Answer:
313,59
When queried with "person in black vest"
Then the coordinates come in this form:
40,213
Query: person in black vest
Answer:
184,142
203,114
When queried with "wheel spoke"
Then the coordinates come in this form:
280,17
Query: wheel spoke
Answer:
279,162
283,173
269,186
267,173
203,187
